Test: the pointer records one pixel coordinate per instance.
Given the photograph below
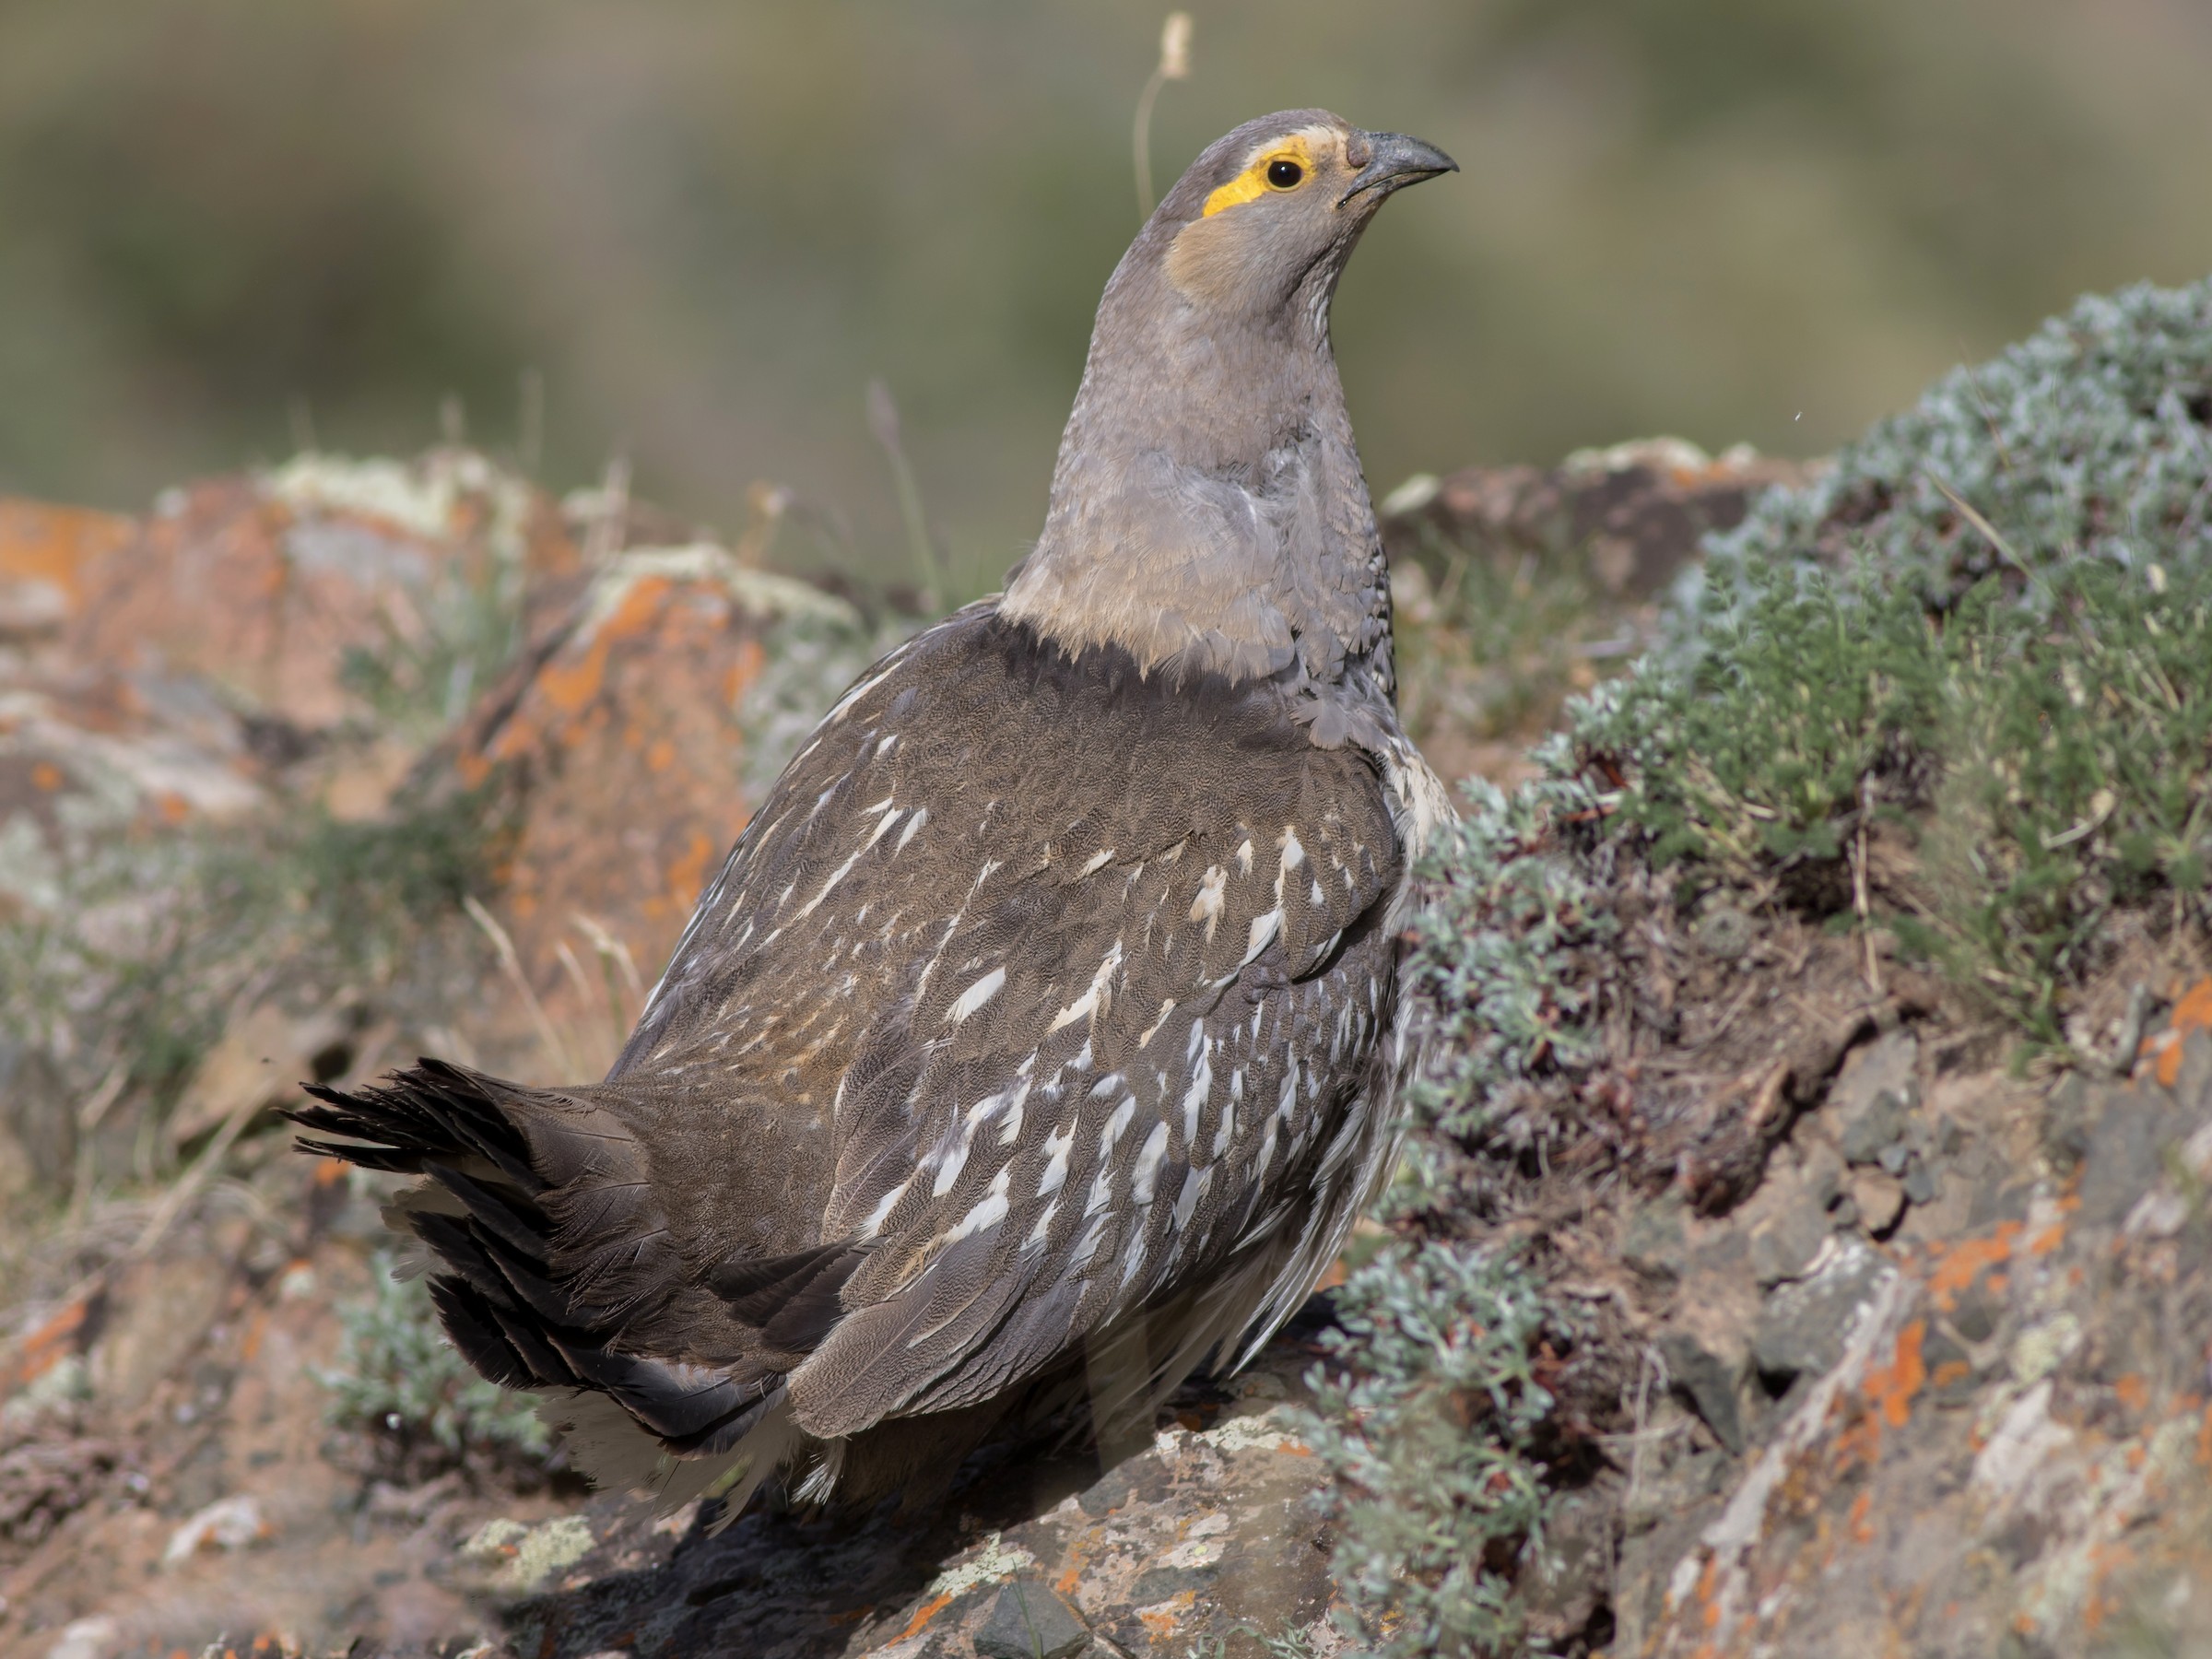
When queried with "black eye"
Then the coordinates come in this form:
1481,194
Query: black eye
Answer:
1283,174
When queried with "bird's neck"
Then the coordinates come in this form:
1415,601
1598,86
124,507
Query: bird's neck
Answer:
1209,512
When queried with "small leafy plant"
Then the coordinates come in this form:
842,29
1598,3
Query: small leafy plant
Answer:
400,1380
1427,1410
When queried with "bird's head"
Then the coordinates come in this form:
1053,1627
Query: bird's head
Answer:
1207,509
1268,215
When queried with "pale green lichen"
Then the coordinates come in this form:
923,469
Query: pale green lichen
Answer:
528,1556
994,1561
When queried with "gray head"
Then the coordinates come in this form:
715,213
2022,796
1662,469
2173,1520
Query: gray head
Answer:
1209,510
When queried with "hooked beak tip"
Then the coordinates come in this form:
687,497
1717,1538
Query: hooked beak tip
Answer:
1395,161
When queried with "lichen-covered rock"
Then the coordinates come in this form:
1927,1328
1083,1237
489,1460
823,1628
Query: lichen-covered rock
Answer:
1210,1540
622,747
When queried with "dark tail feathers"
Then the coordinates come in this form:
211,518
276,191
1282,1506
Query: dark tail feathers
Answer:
550,1246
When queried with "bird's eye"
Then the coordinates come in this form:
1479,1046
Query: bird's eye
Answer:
1283,175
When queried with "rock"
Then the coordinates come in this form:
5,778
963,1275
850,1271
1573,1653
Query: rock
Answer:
1874,1098
1804,1325
48,1470
1656,1238
1876,1131
1707,1382
2066,1123
1027,1621
1976,1312
1725,932
164,1308
45,550
1634,511
264,583
261,1060
1922,1184
1952,1378
227,1523
1998,1199
622,746
1785,1242
1879,1198
525,1556
100,1637
1566,1578
2129,1132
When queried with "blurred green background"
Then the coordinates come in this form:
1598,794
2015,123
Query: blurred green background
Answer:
227,224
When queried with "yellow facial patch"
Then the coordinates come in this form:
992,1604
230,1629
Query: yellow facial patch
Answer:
1252,183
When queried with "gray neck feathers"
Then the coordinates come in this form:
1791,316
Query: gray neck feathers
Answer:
1209,513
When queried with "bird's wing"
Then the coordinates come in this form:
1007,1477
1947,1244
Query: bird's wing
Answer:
1081,976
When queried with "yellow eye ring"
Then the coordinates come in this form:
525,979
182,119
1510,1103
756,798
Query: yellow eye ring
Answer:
1284,173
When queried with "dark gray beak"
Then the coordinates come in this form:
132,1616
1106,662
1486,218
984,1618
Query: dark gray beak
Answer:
1393,161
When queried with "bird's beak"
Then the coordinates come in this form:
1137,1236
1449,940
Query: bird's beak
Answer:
1395,161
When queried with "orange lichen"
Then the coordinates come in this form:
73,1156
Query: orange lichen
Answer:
39,542
2044,1242
1709,1579
2192,1012
1160,1621
2133,1390
47,776
1890,1388
47,1346
1950,1371
568,685
687,871
1962,1263
751,657
1860,1507
925,1613
1858,1442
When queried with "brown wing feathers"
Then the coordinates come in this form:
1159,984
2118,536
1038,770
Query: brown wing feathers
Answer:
1033,994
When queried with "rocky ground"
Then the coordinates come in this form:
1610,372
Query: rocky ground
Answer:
322,672
1758,1283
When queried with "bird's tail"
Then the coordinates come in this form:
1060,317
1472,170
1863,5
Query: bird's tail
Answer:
537,1206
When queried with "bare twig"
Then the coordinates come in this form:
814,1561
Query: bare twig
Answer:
883,422
89,1118
512,965
174,1201
1858,886
1174,64
1989,531
610,527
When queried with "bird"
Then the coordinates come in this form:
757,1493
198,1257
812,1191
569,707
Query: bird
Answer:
1041,1033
